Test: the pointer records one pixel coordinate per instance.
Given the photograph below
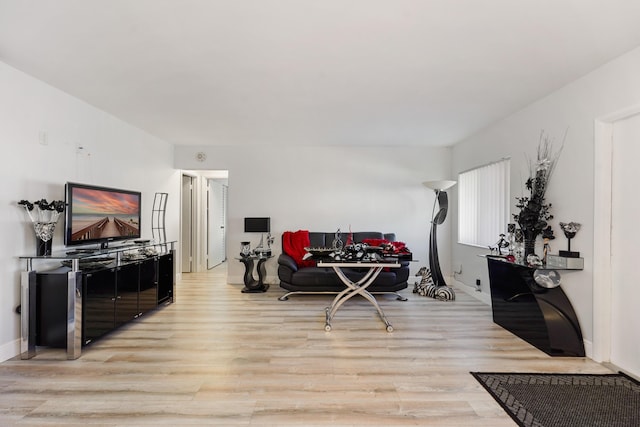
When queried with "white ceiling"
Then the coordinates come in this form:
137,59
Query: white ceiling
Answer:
323,72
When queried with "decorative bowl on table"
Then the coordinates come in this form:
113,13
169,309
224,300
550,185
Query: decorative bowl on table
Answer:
318,253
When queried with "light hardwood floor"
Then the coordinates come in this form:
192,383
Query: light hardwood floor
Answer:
220,357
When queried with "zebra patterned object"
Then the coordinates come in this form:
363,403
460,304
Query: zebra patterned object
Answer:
427,288
445,293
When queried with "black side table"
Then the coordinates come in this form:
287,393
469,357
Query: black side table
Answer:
251,285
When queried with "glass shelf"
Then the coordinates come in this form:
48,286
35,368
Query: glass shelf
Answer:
577,265
85,253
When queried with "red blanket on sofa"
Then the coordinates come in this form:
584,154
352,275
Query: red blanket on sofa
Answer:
293,244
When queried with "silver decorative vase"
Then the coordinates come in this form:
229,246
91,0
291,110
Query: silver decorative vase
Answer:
44,237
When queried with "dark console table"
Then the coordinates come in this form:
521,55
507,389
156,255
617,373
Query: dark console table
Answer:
251,285
92,293
544,317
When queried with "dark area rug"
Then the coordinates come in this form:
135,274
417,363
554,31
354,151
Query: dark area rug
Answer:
565,400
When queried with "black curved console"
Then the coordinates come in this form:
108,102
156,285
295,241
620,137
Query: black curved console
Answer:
543,317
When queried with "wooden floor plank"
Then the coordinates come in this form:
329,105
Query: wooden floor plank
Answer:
221,357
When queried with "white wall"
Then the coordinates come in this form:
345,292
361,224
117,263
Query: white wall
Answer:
325,188
612,87
114,154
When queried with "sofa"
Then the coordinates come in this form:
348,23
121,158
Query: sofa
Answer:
300,276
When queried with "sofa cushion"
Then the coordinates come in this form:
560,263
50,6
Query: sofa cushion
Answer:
316,276
325,239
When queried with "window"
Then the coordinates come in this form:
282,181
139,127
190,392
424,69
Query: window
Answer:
483,203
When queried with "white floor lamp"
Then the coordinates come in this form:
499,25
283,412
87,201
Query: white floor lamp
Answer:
442,291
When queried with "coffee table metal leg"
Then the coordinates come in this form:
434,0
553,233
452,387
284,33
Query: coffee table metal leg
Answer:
327,322
353,289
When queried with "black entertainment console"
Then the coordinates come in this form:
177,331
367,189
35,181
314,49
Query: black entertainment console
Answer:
92,293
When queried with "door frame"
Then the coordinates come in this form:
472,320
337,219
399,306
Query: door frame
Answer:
207,216
602,271
199,220
193,221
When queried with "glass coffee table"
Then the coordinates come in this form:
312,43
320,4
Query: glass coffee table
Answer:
356,288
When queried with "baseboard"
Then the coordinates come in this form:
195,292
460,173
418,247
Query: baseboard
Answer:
235,280
481,296
588,348
9,350
239,280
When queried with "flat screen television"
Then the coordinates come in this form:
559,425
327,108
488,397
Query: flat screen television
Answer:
257,225
100,214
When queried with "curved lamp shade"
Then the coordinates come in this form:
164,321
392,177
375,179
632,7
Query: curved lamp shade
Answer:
439,185
436,219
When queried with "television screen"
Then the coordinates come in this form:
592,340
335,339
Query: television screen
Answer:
100,214
257,225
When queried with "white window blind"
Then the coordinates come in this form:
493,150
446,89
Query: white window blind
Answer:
483,203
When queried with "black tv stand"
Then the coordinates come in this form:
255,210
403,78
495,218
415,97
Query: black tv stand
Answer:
65,306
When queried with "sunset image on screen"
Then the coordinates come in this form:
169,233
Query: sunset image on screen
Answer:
101,214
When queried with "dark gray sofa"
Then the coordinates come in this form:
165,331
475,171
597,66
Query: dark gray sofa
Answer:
317,280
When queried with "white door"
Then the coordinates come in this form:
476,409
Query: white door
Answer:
186,241
216,218
625,238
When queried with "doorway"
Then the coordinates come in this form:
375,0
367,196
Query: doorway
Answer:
203,220
616,295
187,220
216,223
625,235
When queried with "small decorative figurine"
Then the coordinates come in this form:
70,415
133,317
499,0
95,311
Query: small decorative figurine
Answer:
518,246
500,246
570,230
547,234
337,243
245,249
534,260
511,231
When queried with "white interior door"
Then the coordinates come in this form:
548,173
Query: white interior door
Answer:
216,221
186,241
625,237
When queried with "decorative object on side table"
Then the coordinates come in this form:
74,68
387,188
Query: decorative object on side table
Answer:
534,211
548,279
518,249
547,235
501,246
443,292
570,230
44,220
260,225
245,249
511,237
